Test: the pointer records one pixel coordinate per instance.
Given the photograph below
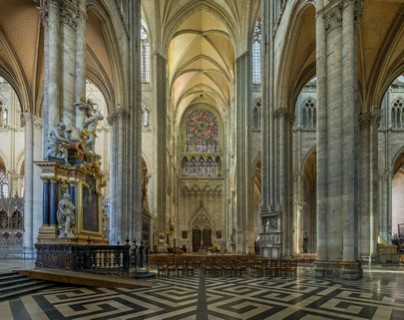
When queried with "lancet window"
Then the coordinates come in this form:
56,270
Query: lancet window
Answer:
3,114
397,114
256,53
145,54
3,182
309,114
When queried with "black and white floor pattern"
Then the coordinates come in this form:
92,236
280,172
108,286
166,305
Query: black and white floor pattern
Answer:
379,295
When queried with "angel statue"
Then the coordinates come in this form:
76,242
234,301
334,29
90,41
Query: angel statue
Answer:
90,125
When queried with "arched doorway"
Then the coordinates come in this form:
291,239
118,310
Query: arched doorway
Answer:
202,230
201,238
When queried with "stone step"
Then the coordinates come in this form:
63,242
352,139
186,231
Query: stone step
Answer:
13,285
24,290
144,275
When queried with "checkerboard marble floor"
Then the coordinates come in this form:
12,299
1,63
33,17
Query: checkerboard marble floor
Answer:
379,295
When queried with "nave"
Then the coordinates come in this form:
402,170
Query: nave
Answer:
378,295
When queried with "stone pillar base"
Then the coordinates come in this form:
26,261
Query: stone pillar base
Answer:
336,269
326,269
351,270
47,232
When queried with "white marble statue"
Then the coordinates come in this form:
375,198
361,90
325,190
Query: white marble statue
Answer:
57,143
90,125
66,217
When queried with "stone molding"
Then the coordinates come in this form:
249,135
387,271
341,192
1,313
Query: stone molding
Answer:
195,190
69,12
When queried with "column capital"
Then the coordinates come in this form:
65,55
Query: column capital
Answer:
244,55
38,122
160,56
43,7
70,14
35,120
116,114
285,113
368,118
332,15
26,117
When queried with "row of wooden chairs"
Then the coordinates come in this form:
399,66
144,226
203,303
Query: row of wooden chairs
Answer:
176,264
225,266
275,267
221,265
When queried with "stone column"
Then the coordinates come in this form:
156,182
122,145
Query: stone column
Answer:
118,177
28,187
284,188
68,13
37,206
321,134
160,94
81,53
135,101
364,187
270,245
375,116
369,184
337,140
266,114
50,17
242,164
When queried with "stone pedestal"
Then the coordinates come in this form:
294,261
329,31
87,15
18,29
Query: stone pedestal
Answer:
335,269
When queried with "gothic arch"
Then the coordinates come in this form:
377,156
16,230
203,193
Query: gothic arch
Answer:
293,76
11,69
4,73
3,160
19,166
389,62
112,86
398,160
202,221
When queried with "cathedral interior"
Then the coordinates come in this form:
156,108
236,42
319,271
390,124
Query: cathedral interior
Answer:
248,127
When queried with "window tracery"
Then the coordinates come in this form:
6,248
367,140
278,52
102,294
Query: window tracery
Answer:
397,114
201,143
309,114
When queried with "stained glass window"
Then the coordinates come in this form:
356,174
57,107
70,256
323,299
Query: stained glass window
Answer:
256,53
202,132
145,54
